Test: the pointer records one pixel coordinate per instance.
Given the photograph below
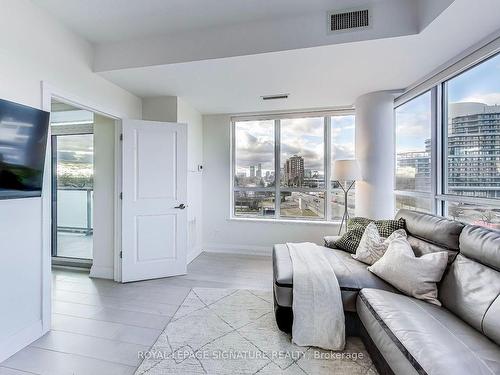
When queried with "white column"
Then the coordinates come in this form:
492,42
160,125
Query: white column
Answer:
375,153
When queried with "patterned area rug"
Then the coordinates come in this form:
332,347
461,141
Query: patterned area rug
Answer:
222,331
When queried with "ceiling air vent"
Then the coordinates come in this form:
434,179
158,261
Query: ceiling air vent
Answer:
348,20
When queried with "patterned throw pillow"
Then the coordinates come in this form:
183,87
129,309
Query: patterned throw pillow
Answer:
350,240
385,227
373,246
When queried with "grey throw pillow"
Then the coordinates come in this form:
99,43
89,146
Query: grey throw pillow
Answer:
373,246
416,277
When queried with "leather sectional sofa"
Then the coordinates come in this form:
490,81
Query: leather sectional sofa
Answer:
408,336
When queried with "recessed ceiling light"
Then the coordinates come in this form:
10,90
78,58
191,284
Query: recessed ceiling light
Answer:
275,97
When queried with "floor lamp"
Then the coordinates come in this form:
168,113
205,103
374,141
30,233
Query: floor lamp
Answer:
346,173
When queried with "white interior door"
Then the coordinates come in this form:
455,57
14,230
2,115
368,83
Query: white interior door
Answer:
154,218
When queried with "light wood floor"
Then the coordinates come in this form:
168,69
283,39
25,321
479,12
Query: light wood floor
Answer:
98,326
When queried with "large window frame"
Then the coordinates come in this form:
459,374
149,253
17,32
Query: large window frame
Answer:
277,189
439,197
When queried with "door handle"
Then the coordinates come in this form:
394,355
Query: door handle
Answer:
181,206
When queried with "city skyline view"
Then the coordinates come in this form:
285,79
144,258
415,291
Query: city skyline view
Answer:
474,85
299,137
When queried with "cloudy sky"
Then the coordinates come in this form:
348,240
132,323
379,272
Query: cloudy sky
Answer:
413,124
479,84
303,137
75,148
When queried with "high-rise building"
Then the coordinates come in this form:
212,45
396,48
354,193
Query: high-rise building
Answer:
419,163
252,171
294,171
474,153
259,170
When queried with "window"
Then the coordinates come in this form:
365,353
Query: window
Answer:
254,174
472,144
302,168
474,213
413,154
290,158
466,186
342,146
472,139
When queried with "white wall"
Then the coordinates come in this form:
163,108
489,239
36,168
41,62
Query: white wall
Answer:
35,47
160,108
190,116
246,236
104,198
375,153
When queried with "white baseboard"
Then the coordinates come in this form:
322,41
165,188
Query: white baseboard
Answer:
20,340
101,272
193,254
238,249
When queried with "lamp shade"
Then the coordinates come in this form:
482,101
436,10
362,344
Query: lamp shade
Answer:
346,170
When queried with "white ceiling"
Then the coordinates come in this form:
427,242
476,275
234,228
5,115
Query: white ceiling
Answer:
101,21
325,76
222,55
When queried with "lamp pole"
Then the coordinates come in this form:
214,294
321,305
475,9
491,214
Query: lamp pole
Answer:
345,217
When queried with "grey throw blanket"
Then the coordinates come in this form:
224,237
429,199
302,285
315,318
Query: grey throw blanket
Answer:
318,314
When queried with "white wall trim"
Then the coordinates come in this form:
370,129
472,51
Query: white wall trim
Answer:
193,254
238,249
47,93
117,272
20,340
101,272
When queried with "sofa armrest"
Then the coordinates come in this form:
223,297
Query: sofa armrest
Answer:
330,241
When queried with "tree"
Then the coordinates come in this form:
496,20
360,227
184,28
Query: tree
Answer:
487,216
455,210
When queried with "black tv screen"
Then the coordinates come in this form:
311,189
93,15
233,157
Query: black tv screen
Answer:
23,141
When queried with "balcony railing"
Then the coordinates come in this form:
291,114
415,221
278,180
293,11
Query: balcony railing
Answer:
74,210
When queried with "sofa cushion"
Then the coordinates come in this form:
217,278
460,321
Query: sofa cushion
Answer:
482,245
491,321
351,274
432,229
416,337
469,289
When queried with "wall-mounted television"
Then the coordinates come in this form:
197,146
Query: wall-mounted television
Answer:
23,142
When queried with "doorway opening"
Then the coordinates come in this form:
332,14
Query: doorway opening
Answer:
81,165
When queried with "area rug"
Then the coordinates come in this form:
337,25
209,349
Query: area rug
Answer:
222,331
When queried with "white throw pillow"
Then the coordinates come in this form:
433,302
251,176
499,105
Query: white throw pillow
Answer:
372,246
416,277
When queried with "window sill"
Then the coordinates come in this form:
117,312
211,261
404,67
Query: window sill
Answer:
284,221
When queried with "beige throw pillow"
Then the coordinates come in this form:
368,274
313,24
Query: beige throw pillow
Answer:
372,245
416,277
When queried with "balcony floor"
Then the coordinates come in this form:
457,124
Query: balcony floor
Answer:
74,245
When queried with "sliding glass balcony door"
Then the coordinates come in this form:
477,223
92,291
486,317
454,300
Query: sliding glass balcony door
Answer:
72,195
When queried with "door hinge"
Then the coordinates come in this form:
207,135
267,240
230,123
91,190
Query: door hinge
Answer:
121,196
121,137
121,254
